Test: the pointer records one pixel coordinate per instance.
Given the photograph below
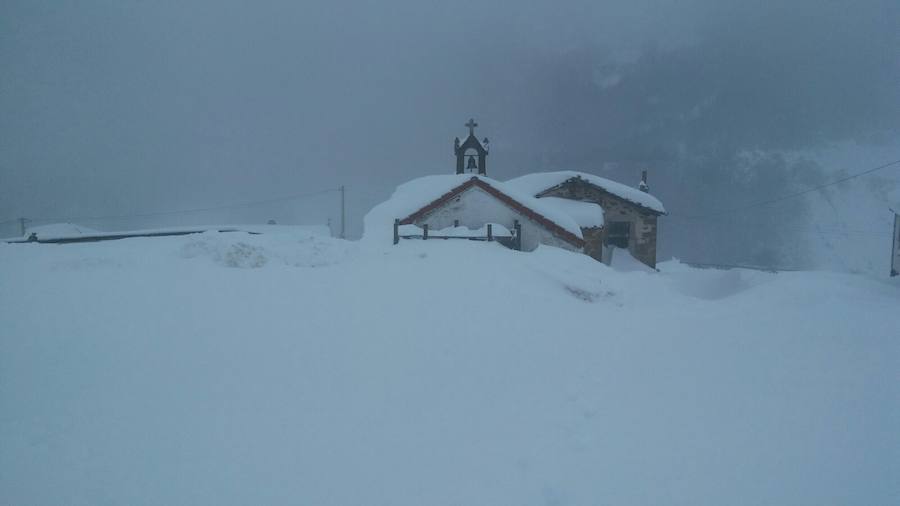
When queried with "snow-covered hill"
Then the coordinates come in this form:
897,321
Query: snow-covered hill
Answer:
227,368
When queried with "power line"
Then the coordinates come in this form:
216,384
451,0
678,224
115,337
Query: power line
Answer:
185,211
789,196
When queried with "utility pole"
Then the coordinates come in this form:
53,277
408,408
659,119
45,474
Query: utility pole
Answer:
343,213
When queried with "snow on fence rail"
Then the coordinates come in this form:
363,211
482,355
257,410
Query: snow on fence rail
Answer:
490,232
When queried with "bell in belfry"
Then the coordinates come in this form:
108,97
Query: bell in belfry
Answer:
471,154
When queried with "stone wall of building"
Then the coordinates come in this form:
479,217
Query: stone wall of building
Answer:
593,242
642,224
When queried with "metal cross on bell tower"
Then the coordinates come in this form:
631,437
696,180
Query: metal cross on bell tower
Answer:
471,154
471,124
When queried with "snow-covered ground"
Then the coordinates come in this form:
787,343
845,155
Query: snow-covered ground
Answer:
292,368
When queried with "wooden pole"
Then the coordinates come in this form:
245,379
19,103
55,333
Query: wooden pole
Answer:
490,232
396,230
425,234
895,269
343,213
518,227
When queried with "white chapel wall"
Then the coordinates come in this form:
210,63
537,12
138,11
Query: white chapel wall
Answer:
474,208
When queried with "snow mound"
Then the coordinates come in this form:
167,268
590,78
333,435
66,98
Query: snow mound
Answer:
711,283
226,252
622,261
292,248
435,373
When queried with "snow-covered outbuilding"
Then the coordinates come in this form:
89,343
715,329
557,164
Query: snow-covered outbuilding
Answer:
571,210
630,214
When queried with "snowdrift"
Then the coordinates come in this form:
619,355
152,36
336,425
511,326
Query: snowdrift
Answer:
299,369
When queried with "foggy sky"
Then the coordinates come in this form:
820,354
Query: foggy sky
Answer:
121,107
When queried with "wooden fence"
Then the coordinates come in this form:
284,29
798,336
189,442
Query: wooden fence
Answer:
512,241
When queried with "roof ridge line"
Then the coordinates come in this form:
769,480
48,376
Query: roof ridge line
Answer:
555,228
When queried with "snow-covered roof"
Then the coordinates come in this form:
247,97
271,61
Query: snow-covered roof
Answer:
67,231
56,230
586,214
472,142
414,195
533,184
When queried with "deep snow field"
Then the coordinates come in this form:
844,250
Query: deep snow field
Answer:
291,368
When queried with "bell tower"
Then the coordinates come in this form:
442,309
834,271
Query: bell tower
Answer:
471,154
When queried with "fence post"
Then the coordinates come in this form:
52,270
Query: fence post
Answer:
490,232
396,230
518,227
425,232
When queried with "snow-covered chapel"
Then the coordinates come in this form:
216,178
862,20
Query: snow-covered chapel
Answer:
572,210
